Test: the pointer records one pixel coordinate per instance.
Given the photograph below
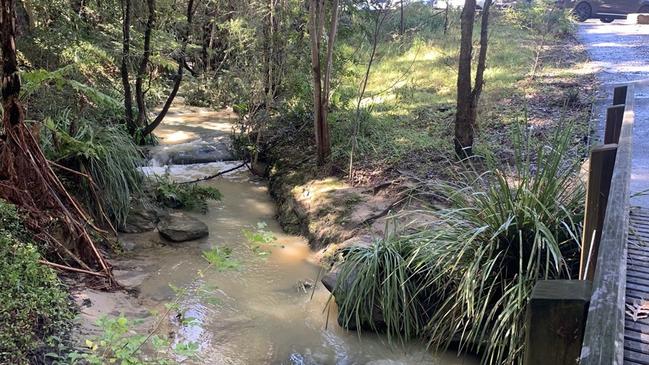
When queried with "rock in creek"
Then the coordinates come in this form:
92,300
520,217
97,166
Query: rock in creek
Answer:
179,227
210,149
140,219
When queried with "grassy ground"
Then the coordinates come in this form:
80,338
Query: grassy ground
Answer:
407,112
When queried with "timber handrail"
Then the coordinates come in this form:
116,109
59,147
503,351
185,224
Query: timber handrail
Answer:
603,342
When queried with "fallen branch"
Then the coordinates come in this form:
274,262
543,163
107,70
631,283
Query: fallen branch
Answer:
215,175
69,268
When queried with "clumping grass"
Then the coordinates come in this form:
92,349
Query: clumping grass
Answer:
35,312
468,278
106,153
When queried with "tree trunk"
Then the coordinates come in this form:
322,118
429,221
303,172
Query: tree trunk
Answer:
464,119
179,76
321,80
401,25
144,62
482,56
468,98
126,54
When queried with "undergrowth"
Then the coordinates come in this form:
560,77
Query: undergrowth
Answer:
468,277
35,311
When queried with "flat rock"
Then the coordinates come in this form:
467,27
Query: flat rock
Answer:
180,227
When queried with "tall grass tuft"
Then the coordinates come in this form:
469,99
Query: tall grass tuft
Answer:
470,275
105,153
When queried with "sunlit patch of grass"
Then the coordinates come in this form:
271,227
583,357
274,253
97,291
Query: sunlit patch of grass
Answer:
410,79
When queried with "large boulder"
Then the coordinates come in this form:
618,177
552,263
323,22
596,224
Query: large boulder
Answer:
180,227
140,219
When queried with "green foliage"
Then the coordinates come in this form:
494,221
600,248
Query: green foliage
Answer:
220,258
105,153
544,17
260,239
35,312
120,343
470,276
376,290
184,196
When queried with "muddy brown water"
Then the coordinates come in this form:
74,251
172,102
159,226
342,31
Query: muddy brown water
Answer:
257,313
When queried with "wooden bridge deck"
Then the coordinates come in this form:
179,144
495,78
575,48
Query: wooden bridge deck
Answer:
636,321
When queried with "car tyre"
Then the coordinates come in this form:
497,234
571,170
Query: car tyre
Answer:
607,19
582,11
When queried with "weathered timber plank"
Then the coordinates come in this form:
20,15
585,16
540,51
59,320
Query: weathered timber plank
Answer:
604,336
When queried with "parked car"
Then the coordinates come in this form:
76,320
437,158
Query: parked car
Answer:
605,10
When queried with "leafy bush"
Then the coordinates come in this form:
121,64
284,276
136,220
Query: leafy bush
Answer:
470,276
184,196
543,17
35,313
105,153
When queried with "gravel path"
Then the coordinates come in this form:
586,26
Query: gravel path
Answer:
620,53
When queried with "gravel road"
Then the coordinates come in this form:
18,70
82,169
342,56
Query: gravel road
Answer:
619,53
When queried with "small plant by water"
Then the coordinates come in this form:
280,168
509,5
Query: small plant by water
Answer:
260,239
120,341
184,196
469,277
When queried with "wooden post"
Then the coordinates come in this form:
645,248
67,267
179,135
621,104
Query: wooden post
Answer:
614,117
555,321
602,161
619,95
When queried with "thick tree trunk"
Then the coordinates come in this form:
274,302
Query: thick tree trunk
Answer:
126,54
482,56
321,79
464,120
144,62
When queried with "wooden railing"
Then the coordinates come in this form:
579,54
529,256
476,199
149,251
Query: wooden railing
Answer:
603,342
574,321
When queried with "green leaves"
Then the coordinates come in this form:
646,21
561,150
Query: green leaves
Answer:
260,239
470,275
35,311
184,196
220,258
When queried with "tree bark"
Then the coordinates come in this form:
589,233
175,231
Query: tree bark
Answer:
464,122
468,98
322,79
126,53
401,24
144,62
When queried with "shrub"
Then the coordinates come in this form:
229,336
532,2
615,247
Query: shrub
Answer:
469,277
35,313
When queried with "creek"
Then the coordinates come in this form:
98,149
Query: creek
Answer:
259,312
